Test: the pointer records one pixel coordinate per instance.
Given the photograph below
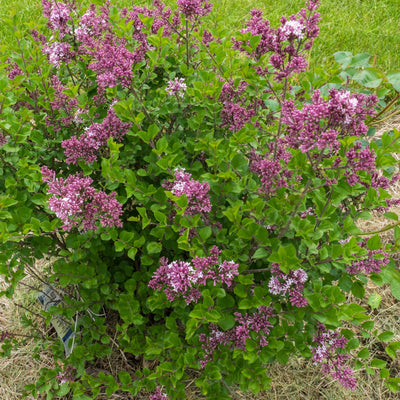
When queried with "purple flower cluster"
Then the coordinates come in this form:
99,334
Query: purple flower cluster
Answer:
321,123
113,62
309,211
195,191
325,352
158,395
283,43
67,375
236,337
106,53
292,283
372,263
193,9
77,203
235,116
4,335
58,52
92,27
176,87
87,146
359,159
182,278
3,139
237,110
62,103
14,71
389,202
58,15
271,168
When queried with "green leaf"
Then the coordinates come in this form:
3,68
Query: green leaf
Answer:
261,253
384,373
153,247
395,288
63,389
360,60
368,325
353,344
124,377
391,215
358,289
368,77
393,384
227,323
374,243
240,291
386,336
153,131
363,354
394,79
343,58
377,363
205,233
374,300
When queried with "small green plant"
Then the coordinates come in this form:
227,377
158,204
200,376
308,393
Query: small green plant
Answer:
202,187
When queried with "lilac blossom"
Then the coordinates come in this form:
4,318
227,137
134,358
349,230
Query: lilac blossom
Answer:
235,338
88,145
4,335
192,9
113,62
293,29
326,344
158,395
77,203
389,203
372,263
67,376
92,27
58,15
291,283
359,159
271,168
38,37
3,139
321,123
111,58
309,211
235,116
237,110
58,52
207,38
182,278
14,71
285,55
62,103
176,87
195,191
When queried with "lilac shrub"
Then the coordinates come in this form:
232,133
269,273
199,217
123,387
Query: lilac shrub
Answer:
203,188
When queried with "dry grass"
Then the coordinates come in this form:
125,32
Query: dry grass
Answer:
300,379
20,368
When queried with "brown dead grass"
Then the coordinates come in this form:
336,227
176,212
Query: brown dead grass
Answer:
20,368
297,380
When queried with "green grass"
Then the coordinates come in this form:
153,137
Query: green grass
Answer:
358,26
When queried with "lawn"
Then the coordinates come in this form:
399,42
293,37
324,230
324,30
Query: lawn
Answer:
357,26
